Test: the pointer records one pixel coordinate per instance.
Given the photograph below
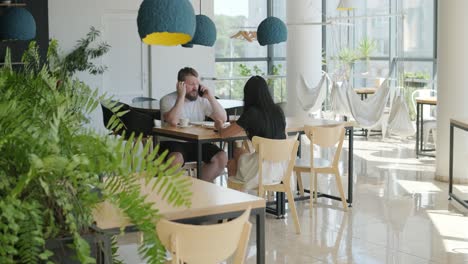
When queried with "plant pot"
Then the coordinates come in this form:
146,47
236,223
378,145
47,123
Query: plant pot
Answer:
99,243
415,84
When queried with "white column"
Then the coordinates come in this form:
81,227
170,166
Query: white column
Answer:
452,87
304,49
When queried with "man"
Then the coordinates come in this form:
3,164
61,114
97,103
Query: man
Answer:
185,102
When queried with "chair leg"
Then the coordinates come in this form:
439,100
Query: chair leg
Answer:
339,185
292,206
299,183
312,191
316,186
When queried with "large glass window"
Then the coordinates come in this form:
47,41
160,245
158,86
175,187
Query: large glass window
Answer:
396,30
232,19
238,53
418,28
375,31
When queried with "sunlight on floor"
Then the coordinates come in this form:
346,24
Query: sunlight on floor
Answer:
453,229
418,187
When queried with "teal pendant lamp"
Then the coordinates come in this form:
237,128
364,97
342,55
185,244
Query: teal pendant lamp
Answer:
166,22
271,31
205,33
17,24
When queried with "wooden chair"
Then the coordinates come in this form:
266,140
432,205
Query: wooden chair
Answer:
324,137
274,150
194,244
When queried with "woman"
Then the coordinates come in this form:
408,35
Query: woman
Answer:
261,117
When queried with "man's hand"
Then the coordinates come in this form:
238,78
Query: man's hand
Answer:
218,124
181,89
206,92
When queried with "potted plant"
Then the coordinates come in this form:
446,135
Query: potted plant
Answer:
416,79
348,57
52,166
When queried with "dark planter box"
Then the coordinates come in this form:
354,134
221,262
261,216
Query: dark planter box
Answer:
415,84
99,242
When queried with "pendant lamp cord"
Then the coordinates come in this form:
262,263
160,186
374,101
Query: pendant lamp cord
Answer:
200,7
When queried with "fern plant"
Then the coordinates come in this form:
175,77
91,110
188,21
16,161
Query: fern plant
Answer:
51,165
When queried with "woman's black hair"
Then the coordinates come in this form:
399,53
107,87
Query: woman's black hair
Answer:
257,94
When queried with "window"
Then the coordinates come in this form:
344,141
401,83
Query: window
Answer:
410,39
237,58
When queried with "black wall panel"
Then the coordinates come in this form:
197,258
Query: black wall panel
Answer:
39,10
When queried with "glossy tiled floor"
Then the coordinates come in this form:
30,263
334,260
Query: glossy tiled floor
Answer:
399,215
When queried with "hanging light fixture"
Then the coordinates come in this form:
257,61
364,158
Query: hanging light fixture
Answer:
166,22
205,32
345,5
271,30
17,24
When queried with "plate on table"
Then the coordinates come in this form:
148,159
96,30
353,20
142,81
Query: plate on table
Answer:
197,123
210,125
181,126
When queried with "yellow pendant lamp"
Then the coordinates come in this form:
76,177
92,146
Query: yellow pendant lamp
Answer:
345,5
166,22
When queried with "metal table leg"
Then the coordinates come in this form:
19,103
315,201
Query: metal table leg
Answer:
417,130
260,223
350,169
199,160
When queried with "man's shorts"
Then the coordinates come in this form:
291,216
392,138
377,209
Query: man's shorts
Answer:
189,150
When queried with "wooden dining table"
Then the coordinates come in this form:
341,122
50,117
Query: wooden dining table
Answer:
365,91
209,202
201,135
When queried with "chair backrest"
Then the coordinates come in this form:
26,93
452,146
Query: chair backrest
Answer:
107,113
195,244
423,93
138,123
142,99
133,121
326,137
276,150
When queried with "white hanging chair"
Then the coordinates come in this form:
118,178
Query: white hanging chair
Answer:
312,98
338,99
368,112
399,121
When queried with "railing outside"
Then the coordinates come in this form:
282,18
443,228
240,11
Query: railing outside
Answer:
233,87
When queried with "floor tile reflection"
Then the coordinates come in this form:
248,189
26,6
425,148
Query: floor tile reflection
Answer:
400,214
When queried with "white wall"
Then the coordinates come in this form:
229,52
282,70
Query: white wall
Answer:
70,20
452,91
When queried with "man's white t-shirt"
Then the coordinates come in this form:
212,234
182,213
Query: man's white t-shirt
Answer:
193,110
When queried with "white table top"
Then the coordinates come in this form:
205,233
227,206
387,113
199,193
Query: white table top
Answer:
207,199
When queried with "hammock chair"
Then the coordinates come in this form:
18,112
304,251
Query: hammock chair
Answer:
368,112
399,122
311,99
338,99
